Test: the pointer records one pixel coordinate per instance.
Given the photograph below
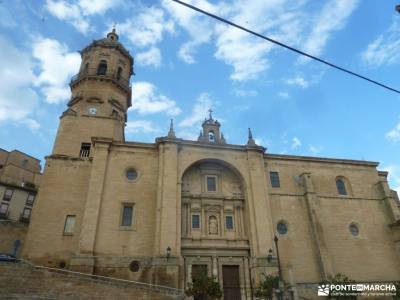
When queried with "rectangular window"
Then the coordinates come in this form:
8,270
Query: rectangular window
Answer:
229,222
30,200
8,194
26,214
69,225
127,215
211,184
274,176
195,221
85,150
3,209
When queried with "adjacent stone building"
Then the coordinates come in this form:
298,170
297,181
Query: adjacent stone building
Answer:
19,182
161,212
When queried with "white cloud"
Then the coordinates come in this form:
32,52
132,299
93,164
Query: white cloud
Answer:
199,111
18,99
31,124
57,65
190,135
385,49
258,141
77,13
332,17
283,95
151,57
245,93
68,12
146,100
394,134
146,28
296,143
91,7
199,28
140,126
315,149
246,54
243,52
394,176
186,52
299,81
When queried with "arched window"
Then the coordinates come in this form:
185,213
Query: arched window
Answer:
341,186
119,72
211,137
102,69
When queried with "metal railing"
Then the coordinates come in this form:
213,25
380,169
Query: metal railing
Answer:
125,282
111,74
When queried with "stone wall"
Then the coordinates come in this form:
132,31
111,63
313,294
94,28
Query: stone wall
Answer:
11,231
23,281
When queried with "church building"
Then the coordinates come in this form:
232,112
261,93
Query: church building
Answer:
162,212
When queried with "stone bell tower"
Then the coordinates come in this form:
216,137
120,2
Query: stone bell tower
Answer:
101,96
211,131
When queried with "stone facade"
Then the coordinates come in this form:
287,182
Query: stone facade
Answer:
19,181
155,212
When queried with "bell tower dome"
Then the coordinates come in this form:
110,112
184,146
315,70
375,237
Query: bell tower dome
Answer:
100,97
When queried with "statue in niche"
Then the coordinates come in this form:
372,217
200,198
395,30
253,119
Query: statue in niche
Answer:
212,225
185,185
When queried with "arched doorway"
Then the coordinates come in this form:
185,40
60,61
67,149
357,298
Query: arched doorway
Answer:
214,226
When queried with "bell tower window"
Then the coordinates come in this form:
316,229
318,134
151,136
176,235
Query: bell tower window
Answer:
85,150
211,137
102,68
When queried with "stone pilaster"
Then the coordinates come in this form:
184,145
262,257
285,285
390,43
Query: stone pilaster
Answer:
168,201
317,236
90,218
260,219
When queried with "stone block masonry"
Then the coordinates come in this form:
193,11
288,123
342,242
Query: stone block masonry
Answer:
24,281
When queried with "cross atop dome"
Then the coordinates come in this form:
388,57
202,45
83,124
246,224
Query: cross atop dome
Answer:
210,111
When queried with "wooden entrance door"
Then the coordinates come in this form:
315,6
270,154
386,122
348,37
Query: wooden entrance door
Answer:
231,281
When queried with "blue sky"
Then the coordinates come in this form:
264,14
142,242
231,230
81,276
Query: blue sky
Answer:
186,63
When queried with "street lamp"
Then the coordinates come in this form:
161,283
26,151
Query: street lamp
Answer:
168,252
398,8
269,256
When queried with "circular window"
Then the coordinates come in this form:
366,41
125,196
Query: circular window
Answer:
92,110
353,228
281,227
131,174
134,266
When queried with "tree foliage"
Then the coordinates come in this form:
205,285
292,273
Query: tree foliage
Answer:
266,287
204,287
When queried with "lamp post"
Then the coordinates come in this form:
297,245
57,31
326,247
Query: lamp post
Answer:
168,252
277,255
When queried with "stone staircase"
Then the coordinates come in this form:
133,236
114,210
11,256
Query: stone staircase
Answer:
22,280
